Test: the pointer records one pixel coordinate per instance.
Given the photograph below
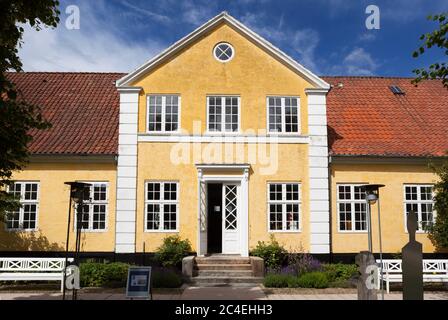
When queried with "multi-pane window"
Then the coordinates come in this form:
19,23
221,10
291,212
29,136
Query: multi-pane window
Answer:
352,208
94,209
161,206
283,114
25,217
163,113
419,198
283,206
223,113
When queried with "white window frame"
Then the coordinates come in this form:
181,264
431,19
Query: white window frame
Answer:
352,203
163,131
161,203
418,202
283,202
21,210
231,47
283,132
223,114
91,203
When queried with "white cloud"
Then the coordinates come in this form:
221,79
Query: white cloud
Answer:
302,42
359,62
367,36
96,46
153,15
197,14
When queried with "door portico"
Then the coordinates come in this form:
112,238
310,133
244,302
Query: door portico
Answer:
235,216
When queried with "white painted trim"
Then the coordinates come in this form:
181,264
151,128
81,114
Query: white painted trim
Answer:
223,166
223,115
127,161
319,191
24,202
282,202
196,34
283,115
231,47
418,202
244,199
161,203
351,202
179,115
225,138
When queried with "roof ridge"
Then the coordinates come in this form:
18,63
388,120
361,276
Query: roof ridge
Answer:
66,72
368,77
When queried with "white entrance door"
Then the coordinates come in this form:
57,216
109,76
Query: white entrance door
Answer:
230,225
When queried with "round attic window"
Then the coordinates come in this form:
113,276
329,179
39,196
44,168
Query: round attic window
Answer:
223,52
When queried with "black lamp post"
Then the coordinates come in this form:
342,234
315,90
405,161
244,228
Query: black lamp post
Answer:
372,196
79,192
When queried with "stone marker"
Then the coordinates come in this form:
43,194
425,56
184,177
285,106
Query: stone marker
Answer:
368,280
412,263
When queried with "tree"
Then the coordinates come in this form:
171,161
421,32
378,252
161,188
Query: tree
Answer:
437,38
17,117
438,232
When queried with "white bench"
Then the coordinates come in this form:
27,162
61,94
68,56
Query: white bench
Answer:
434,270
33,269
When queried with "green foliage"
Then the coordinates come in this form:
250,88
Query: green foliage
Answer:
17,117
315,279
172,251
437,38
280,281
103,274
114,275
438,232
339,272
273,253
166,279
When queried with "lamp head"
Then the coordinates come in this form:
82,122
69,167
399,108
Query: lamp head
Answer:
372,192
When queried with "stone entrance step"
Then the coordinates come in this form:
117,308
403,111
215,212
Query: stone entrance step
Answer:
224,266
220,281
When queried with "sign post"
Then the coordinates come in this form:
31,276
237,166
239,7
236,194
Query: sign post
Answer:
139,283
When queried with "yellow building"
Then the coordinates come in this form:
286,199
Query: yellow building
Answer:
225,140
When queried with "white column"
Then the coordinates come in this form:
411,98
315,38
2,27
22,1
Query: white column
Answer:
125,226
318,171
244,217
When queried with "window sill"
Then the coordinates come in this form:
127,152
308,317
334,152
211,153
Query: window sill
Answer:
161,231
285,231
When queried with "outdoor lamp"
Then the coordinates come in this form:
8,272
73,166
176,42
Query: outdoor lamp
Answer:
373,196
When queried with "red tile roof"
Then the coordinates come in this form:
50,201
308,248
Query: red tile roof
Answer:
82,107
366,119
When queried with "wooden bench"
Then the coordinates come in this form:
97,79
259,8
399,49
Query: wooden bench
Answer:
33,269
434,270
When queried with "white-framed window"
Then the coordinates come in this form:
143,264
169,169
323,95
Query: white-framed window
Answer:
163,113
162,206
223,113
94,209
352,208
25,217
420,198
283,114
284,206
223,52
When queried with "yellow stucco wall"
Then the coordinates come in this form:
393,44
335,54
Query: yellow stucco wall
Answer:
252,75
291,168
195,73
53,208
393,231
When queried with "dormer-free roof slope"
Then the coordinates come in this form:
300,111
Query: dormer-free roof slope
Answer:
83,109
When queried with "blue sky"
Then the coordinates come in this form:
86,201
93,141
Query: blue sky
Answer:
327,36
